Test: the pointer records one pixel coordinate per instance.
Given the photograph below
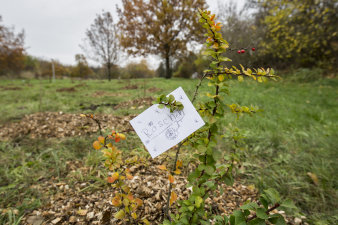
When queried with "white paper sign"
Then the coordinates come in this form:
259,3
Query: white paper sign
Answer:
159,130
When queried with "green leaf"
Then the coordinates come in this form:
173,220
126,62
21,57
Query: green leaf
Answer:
288,204
120,214
201,167
257,221
239,218
273,195
261,213
166,222
209,170
264,202
232,220
223,59
250,206
184,220
192,176
171,98
277,219
198,201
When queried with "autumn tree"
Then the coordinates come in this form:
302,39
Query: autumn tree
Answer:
101,42
163,28
81,69
303,33
160,71
11,50
137,70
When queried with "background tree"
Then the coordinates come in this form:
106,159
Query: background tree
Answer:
137,70
81,69
240,31
186,66
160,71
302,33
163,28
12,49
101,42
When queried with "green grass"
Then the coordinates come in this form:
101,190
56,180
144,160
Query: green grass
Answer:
295,135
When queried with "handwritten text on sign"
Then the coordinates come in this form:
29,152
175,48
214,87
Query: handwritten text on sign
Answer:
159,130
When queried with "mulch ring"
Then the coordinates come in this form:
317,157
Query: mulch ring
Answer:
10,88
59,125
136,103
130,87
70,89
78,204
154,89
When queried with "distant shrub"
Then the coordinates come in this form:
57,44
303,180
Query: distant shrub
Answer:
305,75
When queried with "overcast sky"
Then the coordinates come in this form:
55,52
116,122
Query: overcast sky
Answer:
55,28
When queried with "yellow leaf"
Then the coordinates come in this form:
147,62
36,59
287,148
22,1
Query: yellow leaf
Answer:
110,145
177,171
146,222
221,77
120,214
125,202
122,136
173,198
116,201
179,163
240,78
82,115
171,178
101,139
97,145
134,216
130,197
313,177
139,202
82,212
129,176
125,188
113,178
162,167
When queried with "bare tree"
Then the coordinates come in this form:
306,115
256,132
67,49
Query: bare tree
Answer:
101,42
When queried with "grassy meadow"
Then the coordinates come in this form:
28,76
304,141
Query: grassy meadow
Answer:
291,146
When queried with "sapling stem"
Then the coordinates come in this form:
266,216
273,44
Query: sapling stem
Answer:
178,151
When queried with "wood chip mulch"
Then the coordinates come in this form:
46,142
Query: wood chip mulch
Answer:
59,125
78,203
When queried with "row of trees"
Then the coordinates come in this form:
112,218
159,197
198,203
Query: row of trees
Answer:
14,59
278,33
40,68
11,49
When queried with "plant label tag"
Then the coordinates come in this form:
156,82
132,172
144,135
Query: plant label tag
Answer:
159,130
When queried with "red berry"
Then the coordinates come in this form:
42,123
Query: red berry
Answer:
243,51
239,51
253,49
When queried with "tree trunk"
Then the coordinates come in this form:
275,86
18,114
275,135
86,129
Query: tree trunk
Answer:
109,70
167,67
